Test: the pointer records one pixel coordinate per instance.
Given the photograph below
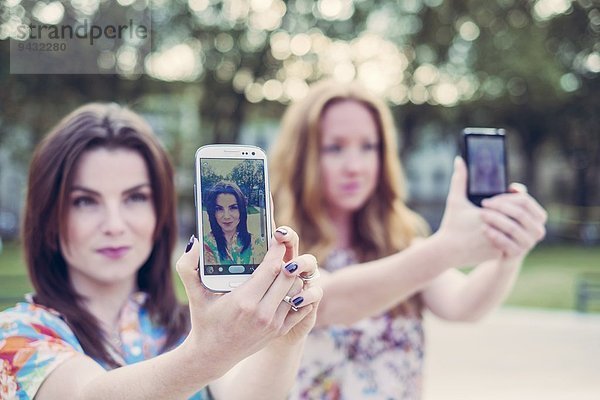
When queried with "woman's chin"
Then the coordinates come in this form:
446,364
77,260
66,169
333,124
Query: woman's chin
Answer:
350,205
228,230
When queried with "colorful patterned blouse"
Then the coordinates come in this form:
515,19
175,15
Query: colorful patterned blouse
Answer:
253,254
34,340
376,358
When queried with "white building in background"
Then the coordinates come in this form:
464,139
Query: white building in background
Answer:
428,169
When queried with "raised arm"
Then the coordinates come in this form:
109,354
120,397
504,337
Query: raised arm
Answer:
177,374
368,289
225,329
459,297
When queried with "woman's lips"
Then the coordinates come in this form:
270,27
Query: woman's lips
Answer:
350,188
114,253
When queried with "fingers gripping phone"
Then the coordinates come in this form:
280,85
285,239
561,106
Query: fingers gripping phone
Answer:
231,194
484,150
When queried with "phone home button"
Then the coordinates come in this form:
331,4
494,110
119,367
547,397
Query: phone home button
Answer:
236,269
234,284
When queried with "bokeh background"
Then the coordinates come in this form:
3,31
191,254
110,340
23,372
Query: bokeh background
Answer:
223,71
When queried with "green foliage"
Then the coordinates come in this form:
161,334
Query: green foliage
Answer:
531,67
249,177
209,177
13,275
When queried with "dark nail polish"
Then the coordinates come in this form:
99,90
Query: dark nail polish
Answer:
298,300
283,231
190,244
291,267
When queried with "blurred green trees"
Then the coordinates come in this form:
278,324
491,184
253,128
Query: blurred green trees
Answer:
530,66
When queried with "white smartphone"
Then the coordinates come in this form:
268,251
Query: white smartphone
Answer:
233,216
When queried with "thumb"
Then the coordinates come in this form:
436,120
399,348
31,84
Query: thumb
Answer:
187,268
458,183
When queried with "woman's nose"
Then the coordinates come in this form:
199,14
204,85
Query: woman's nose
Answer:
114,222
352,160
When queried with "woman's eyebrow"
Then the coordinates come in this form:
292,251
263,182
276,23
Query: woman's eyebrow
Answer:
138,187
83,189
91,191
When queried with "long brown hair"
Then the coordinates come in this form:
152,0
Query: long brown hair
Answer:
385,224
50,176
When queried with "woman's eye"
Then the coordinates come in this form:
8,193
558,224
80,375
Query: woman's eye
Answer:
83,201
370,146
332,148
233,207
138,198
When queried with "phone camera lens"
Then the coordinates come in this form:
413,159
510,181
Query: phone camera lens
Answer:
253,153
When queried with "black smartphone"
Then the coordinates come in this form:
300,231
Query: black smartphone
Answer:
484,151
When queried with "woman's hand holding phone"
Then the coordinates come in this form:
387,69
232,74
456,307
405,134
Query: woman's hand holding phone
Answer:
227,328
509,222
518,220
462,229
508,225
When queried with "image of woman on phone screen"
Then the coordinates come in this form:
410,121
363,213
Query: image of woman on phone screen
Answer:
104,321
229,241
484,169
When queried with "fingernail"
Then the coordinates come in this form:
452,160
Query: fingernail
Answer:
283,231
519,187
484,202
291,267
190,244
298,300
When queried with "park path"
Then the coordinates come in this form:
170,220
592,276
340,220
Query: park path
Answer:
514,354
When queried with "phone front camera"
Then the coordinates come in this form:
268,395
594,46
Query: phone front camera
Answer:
253,153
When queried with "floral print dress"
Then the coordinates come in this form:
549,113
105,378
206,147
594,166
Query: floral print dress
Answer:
253,254
376,358
34,340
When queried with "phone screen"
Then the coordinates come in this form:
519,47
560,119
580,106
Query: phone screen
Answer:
234,223
486,160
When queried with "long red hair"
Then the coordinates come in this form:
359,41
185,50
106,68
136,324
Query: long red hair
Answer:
384,225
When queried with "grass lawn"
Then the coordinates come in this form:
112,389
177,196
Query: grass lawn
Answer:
548,278
13,275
